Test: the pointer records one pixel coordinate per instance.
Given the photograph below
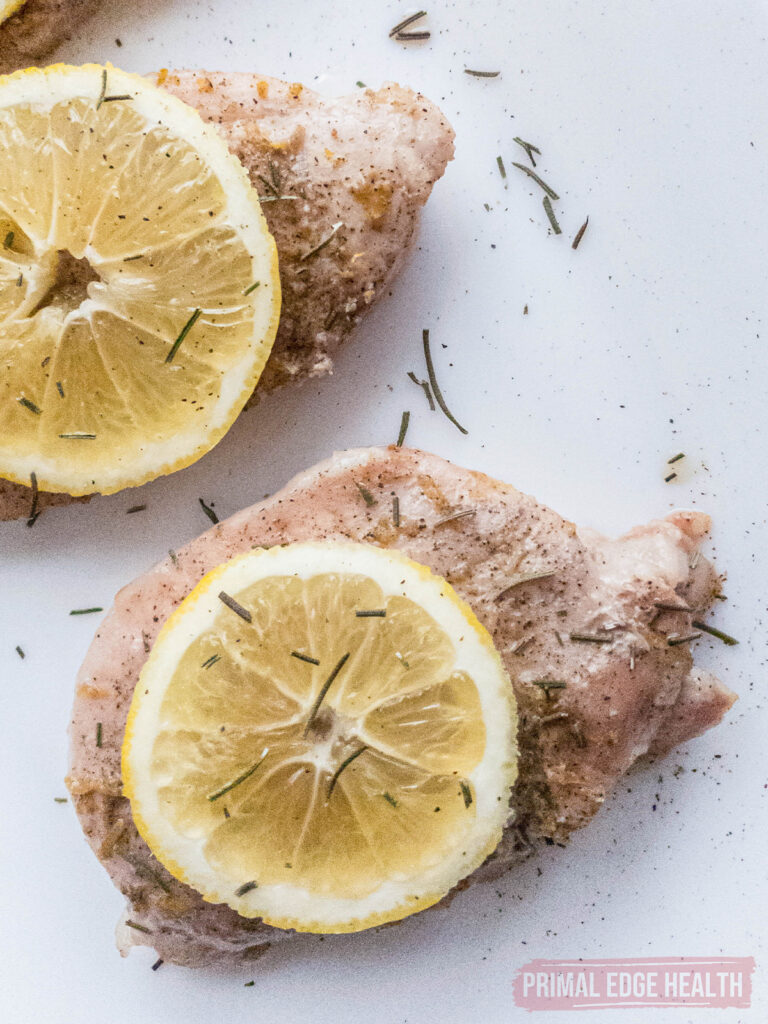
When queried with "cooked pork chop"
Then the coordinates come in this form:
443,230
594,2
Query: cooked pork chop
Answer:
365,162
37,28
563,604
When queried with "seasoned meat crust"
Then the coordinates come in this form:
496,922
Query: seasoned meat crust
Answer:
623,698
37,28
366,162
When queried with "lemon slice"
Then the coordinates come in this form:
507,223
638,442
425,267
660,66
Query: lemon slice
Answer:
9,7
323,736
139,292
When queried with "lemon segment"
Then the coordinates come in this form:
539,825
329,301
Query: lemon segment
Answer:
319,768
132,327
9,7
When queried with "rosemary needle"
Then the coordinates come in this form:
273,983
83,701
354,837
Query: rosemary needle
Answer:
405,420
208,511
184,332
304,657
424,385
33,511
580,234
365,494
240,778
729,641
481,74
321,245
529,148
406,22
539,181
551,215
235,606
344,764
435,386
324,689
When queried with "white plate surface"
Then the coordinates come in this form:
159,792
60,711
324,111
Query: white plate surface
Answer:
648,340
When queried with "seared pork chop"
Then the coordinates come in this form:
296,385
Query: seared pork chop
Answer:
587,615
37,28
342,182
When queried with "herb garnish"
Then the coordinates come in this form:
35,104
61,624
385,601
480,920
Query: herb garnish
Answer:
539,181
435,386
367,497
60,388
667,606
529,148
674,639
20,652
389,798
251,287
237,608
481,74
33,511
208,511
397,31
103,92
211,661
579,234
85,611
29,405
404,421
676,458
526,577
249,984
321,245
98,734
424,385
669,477
173,556
361,85
551,214
240,778
8,242
502,168
60,800
184,332
139,927
590,638
456,515
135,508
395,510
324,689
158,964
729,641
245,887
373,613
344,764
78,437
304,657
466,792
111,99
550,684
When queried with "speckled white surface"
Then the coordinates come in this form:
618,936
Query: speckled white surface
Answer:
644,342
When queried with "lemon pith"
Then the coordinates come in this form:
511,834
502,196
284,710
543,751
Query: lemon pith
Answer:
132,329
324,770
9,7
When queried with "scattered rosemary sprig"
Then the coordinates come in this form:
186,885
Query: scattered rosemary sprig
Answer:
424,385
526,577
389,798
579,234
321,245
8,241
98,734
547,202
729,641
112,99
158,964
60,388
139,927
245,887
395,510
590,638
184,332
366,495
135,508
404,421
529,148
305,657
234,606
324,689
550,684
29,405
251,287
249,984
173,556
208,511
675,640
539,181
456,515
85,611
675,458
33,510
481,74
79,436
344,764
667,606
274,199
103,92
372,613
361,85
60,800
397,31
670,477
240,778
466,792
130,259
20,652
435,386
211,661
502,168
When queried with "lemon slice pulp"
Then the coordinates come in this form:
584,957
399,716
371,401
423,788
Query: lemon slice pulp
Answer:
132,327
322,736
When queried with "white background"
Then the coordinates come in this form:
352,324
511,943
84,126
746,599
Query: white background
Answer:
651,118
